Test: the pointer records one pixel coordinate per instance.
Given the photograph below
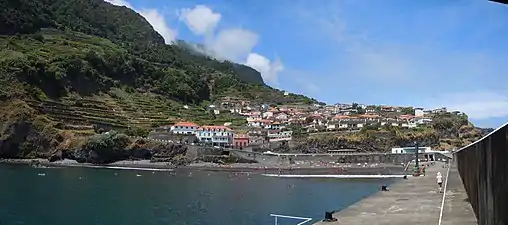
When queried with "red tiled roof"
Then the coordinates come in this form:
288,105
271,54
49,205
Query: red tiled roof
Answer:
186,124
406,116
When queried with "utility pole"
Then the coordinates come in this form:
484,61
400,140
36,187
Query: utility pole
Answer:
417,168
417,155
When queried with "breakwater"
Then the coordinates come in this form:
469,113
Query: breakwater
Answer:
484,171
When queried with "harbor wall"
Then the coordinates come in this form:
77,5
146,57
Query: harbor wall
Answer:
483,167
387,158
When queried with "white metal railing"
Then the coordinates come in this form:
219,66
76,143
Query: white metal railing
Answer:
305,220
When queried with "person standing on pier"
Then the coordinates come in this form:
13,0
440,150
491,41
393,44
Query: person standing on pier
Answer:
439,178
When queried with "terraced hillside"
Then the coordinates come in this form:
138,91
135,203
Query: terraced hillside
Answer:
120,110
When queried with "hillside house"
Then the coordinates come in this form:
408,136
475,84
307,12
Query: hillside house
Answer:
274,126
258,123
188,128
408,124
440,110
252,116
370,109
215,135
332,125
268,114
387,109
357,123
423,120
282,116
340,118
279,135
370,117
235,110
241,140
419,112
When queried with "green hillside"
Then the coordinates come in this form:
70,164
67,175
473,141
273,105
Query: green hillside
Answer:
69,65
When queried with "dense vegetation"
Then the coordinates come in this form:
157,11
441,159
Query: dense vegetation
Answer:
69,64
128,52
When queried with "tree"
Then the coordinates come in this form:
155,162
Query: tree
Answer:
408,110
108,146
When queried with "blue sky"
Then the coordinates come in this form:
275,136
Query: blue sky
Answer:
428,53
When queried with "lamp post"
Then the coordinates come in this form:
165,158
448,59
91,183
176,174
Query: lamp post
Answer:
416,169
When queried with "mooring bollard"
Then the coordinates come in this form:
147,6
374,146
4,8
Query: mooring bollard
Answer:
329,217
384,188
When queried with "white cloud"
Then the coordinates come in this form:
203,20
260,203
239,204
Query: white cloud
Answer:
233,44
159,24
477,105
154,17
269,70
200,20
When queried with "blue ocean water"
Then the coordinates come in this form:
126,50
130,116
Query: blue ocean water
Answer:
82,196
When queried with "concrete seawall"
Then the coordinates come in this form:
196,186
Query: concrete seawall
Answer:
483,167
387,158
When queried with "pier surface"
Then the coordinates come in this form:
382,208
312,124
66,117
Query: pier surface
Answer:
413,201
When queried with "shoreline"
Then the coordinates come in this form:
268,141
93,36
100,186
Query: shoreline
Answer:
146,165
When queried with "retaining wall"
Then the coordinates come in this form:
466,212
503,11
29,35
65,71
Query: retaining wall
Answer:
483,167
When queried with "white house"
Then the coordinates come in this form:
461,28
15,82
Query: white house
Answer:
282,116
406,150
408,124
274,126
267,114
184,128
258,123
278,135
419,112
423,121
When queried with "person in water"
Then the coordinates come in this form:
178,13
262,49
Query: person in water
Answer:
439,179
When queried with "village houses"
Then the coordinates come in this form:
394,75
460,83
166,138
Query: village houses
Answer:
269,123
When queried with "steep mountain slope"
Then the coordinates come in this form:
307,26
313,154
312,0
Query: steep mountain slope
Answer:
125,28
66,65
245,73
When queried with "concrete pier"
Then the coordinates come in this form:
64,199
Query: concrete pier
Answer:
413,201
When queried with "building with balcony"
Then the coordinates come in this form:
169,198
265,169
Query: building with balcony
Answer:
215,135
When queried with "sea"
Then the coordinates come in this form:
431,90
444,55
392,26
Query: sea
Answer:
88,196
